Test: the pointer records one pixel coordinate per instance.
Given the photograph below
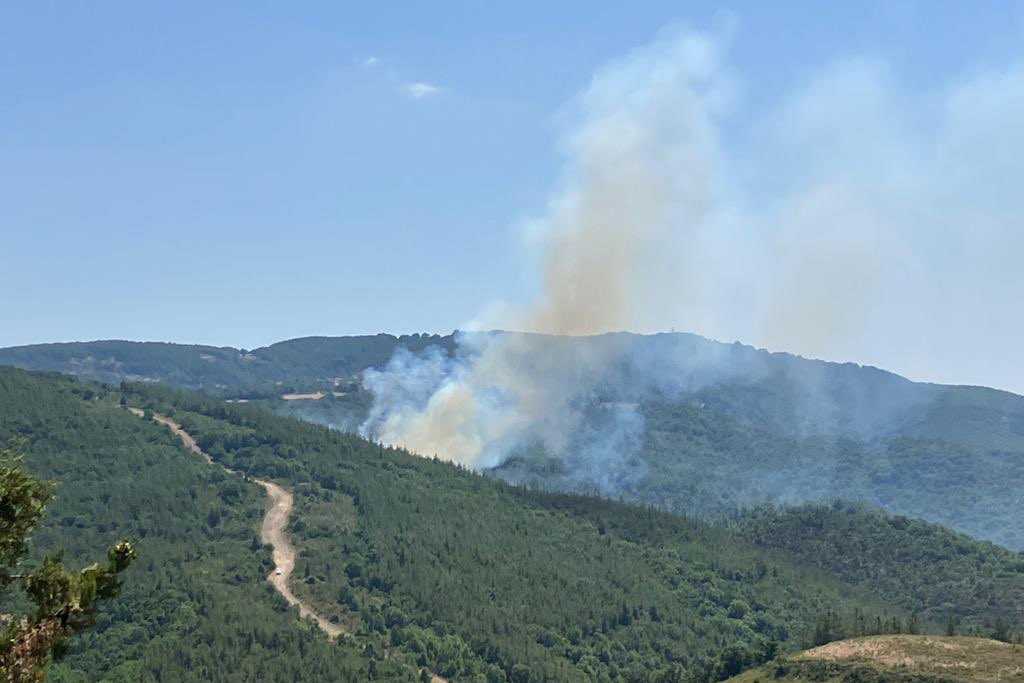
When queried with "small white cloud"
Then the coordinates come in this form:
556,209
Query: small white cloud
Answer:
370,62
420,90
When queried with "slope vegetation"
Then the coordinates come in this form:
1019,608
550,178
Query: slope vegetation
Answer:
430,567
946,576
474,577
195,605
272,529
725,426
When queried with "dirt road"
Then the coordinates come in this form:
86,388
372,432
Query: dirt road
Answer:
271,531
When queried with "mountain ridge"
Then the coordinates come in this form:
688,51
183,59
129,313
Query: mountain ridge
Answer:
11,355
722,426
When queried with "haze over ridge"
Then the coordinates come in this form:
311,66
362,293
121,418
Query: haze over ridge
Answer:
887,164
661,215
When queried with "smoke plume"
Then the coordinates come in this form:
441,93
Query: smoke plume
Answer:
639,166
843,221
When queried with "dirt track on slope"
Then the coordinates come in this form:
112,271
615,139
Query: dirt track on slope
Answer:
271,531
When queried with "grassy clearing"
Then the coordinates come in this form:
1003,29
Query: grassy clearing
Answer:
899,658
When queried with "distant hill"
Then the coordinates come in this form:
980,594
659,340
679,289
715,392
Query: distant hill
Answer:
898,659
293,364
952,455
724,426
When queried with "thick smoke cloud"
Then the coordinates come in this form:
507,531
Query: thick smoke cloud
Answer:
639,168
501,393
853,220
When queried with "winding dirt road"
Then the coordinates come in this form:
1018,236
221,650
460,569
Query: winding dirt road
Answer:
271,531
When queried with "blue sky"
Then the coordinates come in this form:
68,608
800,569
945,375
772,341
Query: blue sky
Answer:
241,173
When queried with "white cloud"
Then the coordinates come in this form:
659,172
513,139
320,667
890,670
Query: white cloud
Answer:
370,62
419,90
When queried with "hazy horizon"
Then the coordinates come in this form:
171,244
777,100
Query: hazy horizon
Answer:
455,331
834,183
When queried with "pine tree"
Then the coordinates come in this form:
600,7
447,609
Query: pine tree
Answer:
65,601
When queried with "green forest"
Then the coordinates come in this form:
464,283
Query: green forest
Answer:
478,578
194,604
972,586
701,456
725,426
437,569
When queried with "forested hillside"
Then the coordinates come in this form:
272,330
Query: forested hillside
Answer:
722,426
948,577
194,605
429,565
477,577
701,459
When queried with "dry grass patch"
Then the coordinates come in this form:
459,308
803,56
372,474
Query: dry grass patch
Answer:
973,659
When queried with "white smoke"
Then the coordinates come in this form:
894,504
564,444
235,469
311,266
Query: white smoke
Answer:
640,167
853,221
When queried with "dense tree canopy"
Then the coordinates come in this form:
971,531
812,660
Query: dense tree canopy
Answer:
726,426
948,577
432,568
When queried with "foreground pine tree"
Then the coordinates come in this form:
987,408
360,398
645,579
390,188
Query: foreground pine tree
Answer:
64,601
